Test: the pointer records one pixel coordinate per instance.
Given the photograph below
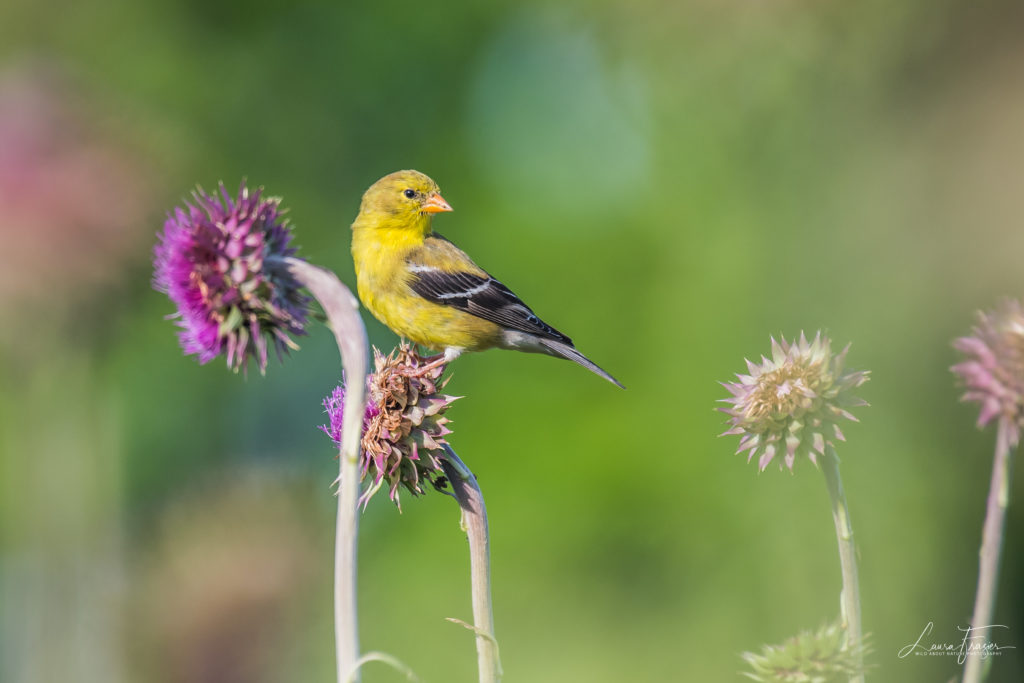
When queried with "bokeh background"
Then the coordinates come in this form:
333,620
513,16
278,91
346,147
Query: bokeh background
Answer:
668,182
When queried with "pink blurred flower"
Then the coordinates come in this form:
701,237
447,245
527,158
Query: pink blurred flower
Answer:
993,371
73,202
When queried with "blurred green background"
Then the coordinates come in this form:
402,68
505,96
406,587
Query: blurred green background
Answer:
668,182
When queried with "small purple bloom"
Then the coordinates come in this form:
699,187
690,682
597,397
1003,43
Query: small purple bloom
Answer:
219,260
334,405
993,370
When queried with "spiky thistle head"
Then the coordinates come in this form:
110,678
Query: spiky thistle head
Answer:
821,656
992,373
792,402
404,426
219,261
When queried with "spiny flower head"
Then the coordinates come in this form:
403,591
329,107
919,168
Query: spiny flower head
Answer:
404,427
792,402
993,372
809,657
219,261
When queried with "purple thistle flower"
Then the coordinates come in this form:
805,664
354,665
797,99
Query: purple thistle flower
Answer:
792,402
993,371
218,260
404,427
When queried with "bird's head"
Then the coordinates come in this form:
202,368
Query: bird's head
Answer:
406,198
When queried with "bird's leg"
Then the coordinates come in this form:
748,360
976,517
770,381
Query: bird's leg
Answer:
450,354
418,347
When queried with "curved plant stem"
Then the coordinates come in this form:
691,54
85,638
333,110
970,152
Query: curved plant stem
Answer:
342,310
474,523
850,598
384,658
991,548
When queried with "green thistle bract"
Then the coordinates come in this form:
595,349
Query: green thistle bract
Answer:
809,657
792,402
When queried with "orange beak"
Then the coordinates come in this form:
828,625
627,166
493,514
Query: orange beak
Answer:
436,204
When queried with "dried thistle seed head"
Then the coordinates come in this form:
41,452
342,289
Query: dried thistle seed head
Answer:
218,259
992,373
792,402
404,427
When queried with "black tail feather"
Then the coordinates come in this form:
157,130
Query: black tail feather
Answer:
557,348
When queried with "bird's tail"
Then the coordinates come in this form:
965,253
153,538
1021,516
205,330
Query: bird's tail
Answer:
557,348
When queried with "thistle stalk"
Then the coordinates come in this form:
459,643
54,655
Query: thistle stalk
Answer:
991,549
227,264
850,597
341,308
474,523
790,405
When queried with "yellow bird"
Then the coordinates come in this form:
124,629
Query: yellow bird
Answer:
428,290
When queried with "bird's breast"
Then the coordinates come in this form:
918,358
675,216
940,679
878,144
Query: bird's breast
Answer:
383,282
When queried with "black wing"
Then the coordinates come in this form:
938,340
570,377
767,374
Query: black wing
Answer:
483,297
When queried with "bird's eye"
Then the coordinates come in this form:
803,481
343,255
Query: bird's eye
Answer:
410,193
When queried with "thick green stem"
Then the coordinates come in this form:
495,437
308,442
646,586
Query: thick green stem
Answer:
474,523
850,597
988,561
342,310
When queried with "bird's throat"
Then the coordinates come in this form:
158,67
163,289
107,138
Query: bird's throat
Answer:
387,241
396,230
